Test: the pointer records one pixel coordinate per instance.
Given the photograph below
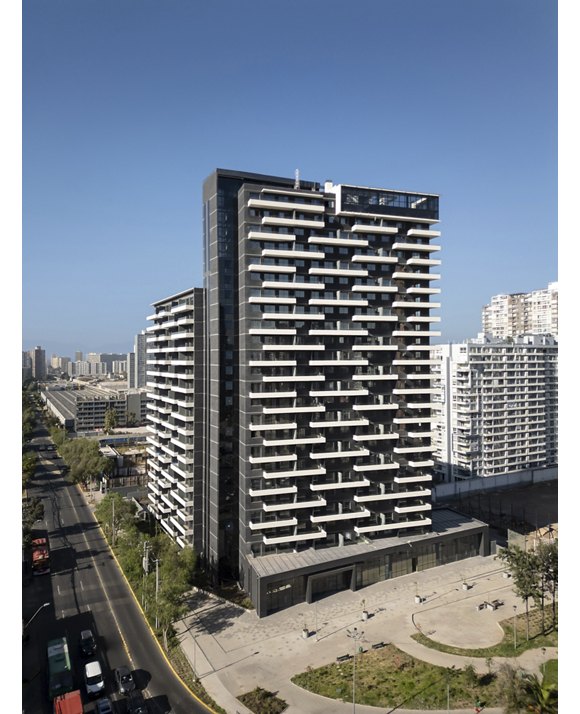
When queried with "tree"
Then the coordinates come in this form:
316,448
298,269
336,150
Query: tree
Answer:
110,420
32,511
29,463
115,514
514,696
547,554
541,698
524,567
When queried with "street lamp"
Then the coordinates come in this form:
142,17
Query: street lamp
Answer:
355,635
45,604
515,635
543,662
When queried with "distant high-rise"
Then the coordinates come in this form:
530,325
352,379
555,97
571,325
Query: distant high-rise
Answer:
38,358
141,359
315,460
533,313
496,406
131,370
78,357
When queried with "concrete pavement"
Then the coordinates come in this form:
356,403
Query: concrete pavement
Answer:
233,651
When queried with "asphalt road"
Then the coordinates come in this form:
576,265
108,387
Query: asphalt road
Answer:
86,590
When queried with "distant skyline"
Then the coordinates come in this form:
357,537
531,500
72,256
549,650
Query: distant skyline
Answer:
127,107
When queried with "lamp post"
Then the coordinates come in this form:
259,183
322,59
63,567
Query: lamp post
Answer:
543,662
44,604
515,635
355,635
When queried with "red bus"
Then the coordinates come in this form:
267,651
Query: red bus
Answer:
40,556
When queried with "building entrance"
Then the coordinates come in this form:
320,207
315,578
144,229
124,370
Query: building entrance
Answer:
322,585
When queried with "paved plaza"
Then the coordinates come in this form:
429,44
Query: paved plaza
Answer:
233,651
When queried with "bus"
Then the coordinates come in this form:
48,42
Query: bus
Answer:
70,703
60,679
40,555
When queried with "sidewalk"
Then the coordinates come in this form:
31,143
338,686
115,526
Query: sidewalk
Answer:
233,651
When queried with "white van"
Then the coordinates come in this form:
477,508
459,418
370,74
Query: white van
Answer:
94,682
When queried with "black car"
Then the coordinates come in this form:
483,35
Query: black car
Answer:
124,679
88,644
136,703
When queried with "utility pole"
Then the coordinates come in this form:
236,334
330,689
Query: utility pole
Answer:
156,592
113,522
355,635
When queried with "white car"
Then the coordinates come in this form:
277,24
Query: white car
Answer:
94,681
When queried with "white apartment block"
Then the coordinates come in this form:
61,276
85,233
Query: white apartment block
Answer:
496,406
175,403
516,314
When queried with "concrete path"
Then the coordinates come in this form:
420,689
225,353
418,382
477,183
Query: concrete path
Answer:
233,651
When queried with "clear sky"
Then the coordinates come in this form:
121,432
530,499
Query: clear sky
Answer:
129,105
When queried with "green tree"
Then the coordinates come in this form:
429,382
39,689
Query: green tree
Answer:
525,569
32,511
541,698
29,464
110,420
116,514
514,696
547,554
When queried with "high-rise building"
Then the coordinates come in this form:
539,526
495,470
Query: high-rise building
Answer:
496,407
131,370
38,357
140,359
516,314
78,357
316,380
175,390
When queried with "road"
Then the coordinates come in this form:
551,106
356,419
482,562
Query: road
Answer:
86,590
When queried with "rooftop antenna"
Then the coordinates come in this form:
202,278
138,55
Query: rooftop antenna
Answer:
297,178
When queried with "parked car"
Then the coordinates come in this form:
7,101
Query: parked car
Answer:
88,644
124,680
136,703
104,706
94,681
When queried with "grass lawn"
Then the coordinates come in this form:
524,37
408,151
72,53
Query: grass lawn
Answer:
551,672
389,677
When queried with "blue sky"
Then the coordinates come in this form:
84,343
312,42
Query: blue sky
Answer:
128,106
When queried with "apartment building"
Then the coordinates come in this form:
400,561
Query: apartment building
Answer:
516,314
175,392
38,360
316,446
496,407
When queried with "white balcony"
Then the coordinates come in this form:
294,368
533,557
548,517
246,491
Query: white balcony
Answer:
345,333
413,509
413,449
415,305
260,268
422,233
375,467
338,361
272,363
339,485
374,289
428,463
273,524
374,407
375,348
272,331
294,506
328,240
374,259
416,333
419,478
423,390
286,205
259,492
269,427
293,410
295,378
289,285
375,437
294,348
295,442
393,496
345,302
339,393
345,272
428,262
419,318
294,538
373,377
272,300
392,526
340,516
299,222
385,230
272,395
339,454
369,317
416,247
414,420
423,291
416,276
338,423
265,236
274,459
318,471
304,316
293,254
